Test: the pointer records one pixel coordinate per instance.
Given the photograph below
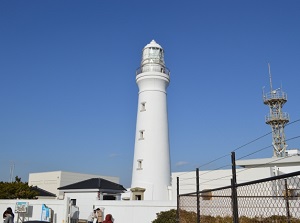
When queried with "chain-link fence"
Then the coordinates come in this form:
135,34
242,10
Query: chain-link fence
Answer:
274,199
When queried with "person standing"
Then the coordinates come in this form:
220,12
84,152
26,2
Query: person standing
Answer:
91,217
7,217
99,215
11,213
108,219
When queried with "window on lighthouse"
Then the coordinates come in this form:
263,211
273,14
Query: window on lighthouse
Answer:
155,54
139,165
143,106
141,134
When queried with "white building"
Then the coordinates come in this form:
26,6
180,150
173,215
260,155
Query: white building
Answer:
85,193
151,174
247,170
50,181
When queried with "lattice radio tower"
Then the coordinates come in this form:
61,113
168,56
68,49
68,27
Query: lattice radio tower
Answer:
277,119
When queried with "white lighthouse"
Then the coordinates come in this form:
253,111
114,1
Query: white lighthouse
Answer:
151,175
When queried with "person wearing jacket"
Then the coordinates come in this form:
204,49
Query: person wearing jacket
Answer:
9,210
7,217
91,217
108,219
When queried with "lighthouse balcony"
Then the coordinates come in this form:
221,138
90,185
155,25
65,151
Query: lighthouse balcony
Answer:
152,68
278,117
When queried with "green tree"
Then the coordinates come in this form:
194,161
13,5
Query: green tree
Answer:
166,217
17,189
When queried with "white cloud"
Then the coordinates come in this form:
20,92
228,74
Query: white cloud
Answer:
181,163
113,155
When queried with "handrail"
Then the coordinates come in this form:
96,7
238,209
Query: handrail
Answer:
284,116
153,68
275,95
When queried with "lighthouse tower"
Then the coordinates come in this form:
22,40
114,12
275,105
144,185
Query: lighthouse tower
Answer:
151,175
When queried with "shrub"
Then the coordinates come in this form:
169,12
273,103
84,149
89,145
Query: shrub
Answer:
191,217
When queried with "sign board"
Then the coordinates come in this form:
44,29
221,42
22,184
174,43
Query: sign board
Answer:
21,207
46,213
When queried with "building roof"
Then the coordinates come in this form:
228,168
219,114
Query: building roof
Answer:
95,183
42,192
270,162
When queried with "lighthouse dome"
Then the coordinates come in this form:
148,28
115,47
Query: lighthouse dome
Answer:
153,44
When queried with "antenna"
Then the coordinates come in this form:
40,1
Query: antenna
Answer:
11,171
276,118
270,76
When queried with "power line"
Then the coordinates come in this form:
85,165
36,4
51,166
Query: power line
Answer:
222,167
256,165
238,148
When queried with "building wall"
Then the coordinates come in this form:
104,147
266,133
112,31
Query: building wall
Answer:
84,201
187,180
59,207
50,181
134,211
289,169
122,211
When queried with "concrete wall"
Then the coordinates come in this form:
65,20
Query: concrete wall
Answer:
59,207
134,211
85,202
122,211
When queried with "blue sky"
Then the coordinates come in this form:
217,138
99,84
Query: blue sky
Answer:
67,80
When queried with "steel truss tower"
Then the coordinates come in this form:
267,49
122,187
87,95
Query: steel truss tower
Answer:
277,119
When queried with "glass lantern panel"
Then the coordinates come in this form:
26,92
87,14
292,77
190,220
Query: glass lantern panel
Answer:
153,55
146,53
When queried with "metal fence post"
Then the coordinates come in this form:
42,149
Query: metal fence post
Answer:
287,201
178,208
234,191
198,195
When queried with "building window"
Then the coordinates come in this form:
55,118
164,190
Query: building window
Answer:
139,164
142,134
73,201
143,106
109,197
